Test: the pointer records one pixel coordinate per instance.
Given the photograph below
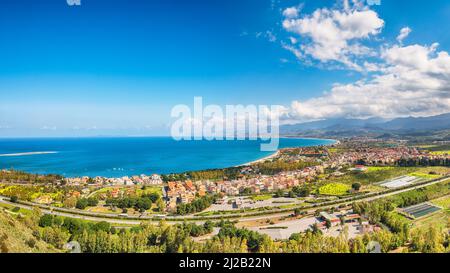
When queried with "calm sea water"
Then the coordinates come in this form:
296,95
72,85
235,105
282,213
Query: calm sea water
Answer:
116,157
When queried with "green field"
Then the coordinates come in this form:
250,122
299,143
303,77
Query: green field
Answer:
379,174
425,175
149,189
336,189
378,169
437,149
138,190
30,193
446,152
441,219
443,202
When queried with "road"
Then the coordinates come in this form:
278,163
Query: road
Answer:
94,216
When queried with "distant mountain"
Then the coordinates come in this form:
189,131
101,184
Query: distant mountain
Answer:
332,124
440,122
374,126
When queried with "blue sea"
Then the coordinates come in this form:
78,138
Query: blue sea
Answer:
117,157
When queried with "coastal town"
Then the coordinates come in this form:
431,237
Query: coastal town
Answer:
324,162
327,190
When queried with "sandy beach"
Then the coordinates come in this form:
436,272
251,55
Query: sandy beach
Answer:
262,159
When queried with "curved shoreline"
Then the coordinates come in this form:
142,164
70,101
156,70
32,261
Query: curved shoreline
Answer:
287,145
275,154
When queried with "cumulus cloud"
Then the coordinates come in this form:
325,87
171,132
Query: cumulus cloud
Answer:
415,81
397,80
334,35
404,32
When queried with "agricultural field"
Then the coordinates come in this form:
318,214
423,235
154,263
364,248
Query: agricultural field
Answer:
31,193
379,174
443,202
437,149
105,192
377,169
425,175
335,189
420,210
440,220
372,175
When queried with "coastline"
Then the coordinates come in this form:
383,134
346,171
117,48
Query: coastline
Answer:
275,154
109,174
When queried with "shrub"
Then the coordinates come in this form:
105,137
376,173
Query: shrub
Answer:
46,220
356,186
82,203
31,242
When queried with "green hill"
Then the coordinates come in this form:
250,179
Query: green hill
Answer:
17,237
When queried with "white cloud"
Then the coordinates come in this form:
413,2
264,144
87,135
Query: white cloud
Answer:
291,12
404,32
415,80
293,40
398,80
297,52
332,35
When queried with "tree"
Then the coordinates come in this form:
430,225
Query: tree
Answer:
13,199
143,204
301,191
82,203
102,226
58,221
160,204
70,202
356,186
154,196
208,226
46,220
92,201
55,236
279,193
315,229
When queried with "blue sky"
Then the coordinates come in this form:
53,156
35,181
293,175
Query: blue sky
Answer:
119,66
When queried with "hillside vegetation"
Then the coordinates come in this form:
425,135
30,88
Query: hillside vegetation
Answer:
16,236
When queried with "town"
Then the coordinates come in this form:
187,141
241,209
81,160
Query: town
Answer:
265,176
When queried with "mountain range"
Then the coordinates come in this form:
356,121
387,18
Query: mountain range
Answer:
374,126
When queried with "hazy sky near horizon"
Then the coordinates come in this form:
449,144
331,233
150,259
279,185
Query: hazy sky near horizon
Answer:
117,67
